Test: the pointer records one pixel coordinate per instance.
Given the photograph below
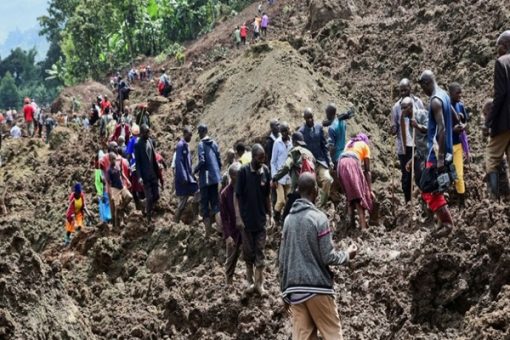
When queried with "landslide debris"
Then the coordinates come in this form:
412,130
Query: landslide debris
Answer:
167,282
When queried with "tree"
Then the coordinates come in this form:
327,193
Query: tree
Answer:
91,37
9,96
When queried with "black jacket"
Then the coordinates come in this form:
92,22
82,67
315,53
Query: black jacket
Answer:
146,164
499,119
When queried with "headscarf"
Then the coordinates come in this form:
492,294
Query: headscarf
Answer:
77,188
135,130
360,137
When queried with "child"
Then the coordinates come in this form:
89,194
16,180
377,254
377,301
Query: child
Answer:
75,212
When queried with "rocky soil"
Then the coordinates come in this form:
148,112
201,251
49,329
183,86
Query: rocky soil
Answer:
167,281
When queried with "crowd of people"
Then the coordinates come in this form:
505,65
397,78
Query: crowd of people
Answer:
258,27
286,181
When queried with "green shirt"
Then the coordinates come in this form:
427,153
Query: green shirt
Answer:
98,181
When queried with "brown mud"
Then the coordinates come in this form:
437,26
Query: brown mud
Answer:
167,282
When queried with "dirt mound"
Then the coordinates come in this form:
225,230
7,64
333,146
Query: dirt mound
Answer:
83,94
270,80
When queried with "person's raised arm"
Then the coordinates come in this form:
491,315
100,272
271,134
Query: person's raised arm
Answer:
331,141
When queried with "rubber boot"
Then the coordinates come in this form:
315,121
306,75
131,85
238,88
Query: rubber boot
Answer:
219,226
208,227
195,209
445,222
249,279
278,218
228,280
493,178
462,201
259,281
67,239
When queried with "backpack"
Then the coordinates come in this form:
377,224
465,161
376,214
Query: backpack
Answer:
307,165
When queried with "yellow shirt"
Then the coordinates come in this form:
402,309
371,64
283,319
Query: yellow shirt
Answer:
78,204
245,158
359,149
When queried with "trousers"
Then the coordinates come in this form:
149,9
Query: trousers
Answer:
318,313
497,147
406,175
281,196
254,244
458,163
231,259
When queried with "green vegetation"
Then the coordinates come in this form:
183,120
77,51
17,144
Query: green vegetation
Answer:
89,38
22,77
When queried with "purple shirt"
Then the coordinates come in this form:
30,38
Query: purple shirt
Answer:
228,214
265,21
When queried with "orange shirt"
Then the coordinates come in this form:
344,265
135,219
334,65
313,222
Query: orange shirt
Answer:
359,149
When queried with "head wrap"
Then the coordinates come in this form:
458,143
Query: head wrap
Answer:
360,137
77,188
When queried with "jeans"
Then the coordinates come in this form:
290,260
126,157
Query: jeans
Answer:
406,176
209,200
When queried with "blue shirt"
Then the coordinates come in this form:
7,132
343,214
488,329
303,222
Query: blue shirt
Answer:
459,108
432,126
336,133
316,142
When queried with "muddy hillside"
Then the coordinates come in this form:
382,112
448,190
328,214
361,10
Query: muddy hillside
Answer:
167,282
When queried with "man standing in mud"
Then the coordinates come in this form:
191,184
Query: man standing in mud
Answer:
253,206
185,183
209,177
401,128
316,142
439,129
498,121
306,281
148,169
231,233
336,133
274,133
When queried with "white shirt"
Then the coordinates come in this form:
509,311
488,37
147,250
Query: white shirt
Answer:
279,156
409,136
16,132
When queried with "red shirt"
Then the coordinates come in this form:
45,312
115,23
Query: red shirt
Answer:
28,110
244,31
105,104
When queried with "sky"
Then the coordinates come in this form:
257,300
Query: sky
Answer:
21,14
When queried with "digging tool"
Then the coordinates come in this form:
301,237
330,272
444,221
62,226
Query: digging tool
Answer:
412,175
392,177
